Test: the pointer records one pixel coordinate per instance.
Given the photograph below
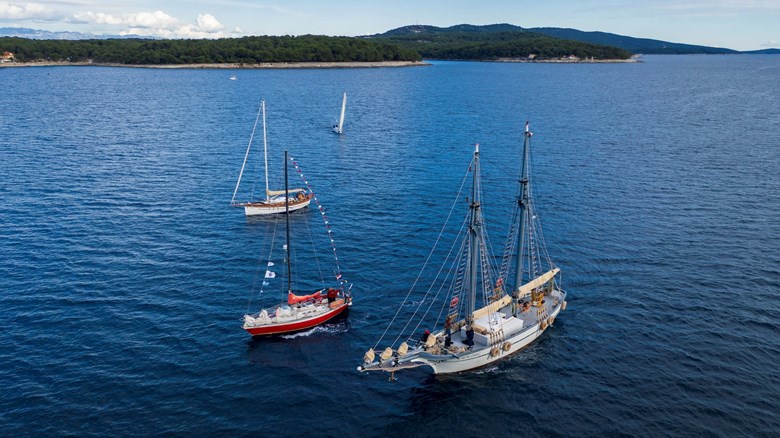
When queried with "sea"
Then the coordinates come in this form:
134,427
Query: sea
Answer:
125,272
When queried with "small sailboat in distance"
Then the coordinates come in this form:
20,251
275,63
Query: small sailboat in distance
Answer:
276,201
339,128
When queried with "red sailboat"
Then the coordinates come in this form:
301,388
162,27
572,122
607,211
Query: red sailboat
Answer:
299,312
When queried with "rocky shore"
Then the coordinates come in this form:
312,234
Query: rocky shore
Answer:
266,65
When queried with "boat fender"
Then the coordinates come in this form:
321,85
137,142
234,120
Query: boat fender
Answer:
369,356
543,325
387,354
563,305
550,321
494,352
507,345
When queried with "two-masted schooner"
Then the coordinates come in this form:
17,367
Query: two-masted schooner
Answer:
475,317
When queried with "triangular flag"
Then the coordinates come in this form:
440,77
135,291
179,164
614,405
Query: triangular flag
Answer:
270,274
270,263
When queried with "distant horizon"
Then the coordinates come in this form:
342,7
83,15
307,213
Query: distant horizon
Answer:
712,23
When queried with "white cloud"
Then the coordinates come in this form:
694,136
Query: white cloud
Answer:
770,44
26,11
151,20
157,23
146,20
207,23
95,18
206,26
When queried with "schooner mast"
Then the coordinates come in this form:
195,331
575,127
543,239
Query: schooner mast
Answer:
523,201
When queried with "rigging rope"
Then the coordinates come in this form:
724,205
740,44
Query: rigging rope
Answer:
339,277
433,283
441,232
246,155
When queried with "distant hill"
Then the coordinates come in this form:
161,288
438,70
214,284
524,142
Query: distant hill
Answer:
635,45
37,34
492,42
763,52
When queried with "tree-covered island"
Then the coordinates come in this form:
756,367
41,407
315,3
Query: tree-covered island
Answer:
408,44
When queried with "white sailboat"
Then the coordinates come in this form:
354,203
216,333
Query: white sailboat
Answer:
480,320
339,128
276,201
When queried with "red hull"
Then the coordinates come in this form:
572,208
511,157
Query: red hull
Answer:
275,329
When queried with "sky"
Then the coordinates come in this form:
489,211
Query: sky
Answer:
733,24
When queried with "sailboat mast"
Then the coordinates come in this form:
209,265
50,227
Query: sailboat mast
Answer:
287,216
265,154
473,242
522,203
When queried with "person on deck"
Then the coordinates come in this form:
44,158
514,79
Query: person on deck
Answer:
332,294
424,337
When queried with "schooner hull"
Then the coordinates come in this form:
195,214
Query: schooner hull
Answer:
482,357
297,325
262,208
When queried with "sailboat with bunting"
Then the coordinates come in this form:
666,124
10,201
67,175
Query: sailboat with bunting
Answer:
299,312
276,201
339,127
475,316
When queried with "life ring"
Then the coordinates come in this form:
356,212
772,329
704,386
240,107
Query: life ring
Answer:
507,345
494,352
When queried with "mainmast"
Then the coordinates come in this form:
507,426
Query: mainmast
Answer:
474,234
522,202
265,156
287,217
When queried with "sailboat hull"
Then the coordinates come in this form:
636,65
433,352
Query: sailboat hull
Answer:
263,208
296,325
482,356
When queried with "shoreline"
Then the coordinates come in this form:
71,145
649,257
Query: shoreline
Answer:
234,66
313,64
634,58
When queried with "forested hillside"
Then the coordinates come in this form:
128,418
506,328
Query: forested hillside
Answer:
249,50
492,42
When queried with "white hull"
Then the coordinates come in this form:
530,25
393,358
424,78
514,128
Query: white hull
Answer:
477,358
490,346
258,209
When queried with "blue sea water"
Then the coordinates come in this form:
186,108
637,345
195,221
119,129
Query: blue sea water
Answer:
124,273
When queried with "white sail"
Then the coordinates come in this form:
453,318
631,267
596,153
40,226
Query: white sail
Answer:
282,192
339,129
